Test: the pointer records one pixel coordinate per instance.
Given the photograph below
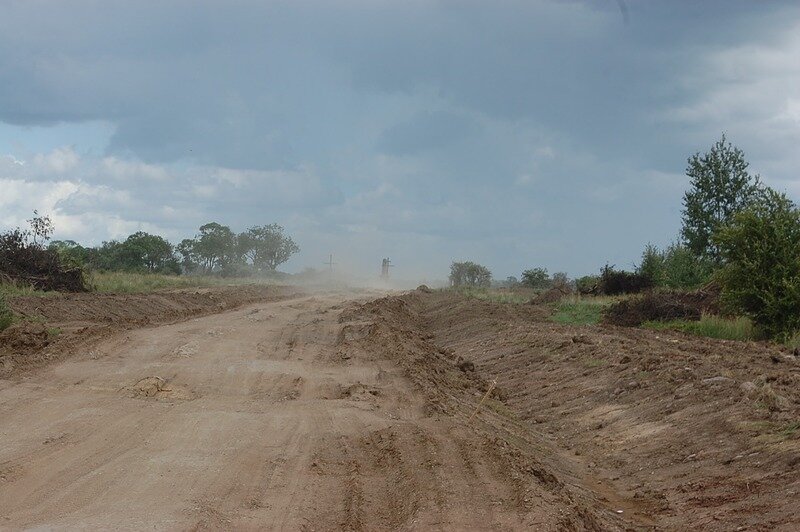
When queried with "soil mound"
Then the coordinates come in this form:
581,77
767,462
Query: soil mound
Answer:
663,306
49,328
553,295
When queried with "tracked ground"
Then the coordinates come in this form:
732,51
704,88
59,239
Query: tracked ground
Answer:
316,412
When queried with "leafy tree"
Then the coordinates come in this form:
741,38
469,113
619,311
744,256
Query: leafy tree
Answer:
71,253
652,265
683,269
215,247
190,261
266,246
536,278
149,252
720,187
469,274
761,276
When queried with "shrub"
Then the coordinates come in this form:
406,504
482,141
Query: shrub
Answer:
682,269
587,284
469,274
652,265
24,259
536,278
614,282
761,277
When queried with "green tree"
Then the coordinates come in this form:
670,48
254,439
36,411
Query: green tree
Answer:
152,253
266,246
71,253
215,247
683,269
761,276
720,187
469,273
652,265
536,278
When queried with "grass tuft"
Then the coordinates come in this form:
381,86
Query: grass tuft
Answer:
577,310
6,316
131,283
496,296
711,326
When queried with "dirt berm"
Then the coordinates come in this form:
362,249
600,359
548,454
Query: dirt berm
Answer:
48,328
680,432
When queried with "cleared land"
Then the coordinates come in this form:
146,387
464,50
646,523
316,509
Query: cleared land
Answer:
257,407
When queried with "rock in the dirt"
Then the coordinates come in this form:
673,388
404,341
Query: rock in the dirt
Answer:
424,289
625,360
748,388
466,366
712,381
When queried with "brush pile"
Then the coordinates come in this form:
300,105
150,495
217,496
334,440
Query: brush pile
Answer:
664,306
24,261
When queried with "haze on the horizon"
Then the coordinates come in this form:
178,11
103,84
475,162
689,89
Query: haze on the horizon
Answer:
515,134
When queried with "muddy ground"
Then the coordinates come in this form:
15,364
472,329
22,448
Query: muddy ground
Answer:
353,411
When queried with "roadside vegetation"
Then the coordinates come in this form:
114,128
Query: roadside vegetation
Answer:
131,282
6,317
581,310
711,326
732,273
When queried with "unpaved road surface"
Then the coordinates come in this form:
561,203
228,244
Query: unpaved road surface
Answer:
272,409
304,413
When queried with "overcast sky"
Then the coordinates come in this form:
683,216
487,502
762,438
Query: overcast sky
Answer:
516,133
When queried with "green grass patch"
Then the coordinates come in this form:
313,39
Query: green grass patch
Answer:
16,289
790,429
711,326
577,310
496,296
131,283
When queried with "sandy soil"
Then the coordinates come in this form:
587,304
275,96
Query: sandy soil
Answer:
351,411
304,413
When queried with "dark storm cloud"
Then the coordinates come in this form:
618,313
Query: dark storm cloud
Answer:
442,122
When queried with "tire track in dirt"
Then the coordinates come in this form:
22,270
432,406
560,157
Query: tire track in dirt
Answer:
322,412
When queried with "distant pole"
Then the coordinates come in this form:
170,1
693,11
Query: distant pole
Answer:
385,265
330,264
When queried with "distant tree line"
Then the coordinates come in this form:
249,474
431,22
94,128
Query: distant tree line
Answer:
216,249
736,232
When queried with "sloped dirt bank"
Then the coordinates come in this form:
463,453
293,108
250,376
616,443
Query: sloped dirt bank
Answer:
680,431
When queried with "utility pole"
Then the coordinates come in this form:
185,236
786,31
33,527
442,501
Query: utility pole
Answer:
385,265
330,264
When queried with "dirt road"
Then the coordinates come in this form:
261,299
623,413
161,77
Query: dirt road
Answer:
279,415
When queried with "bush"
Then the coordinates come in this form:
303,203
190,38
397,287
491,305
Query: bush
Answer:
24,259
682,269
614,282
761,276
587,284
6,317
536,278
469,274
675,267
